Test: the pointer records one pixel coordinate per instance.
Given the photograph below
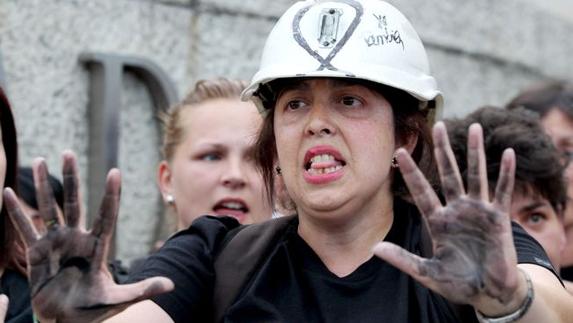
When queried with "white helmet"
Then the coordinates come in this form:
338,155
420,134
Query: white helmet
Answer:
363,39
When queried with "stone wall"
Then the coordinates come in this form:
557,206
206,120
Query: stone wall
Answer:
481,51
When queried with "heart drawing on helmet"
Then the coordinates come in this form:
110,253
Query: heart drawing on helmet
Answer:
325,61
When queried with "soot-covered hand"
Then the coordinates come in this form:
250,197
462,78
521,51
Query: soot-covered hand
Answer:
68,274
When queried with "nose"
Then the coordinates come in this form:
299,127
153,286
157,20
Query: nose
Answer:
319,121
234,176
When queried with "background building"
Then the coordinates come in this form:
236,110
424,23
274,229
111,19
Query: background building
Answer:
481,51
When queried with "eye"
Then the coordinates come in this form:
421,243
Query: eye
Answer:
567,156
536,218
295,104
350,101
210,157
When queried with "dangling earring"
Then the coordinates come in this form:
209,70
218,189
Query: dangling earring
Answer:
169,199
394,163
279,170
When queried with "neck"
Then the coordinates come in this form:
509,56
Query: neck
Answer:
344,245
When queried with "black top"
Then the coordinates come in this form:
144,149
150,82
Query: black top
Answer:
15,286
567,273
293,285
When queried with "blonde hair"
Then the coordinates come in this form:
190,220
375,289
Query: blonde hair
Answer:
173,128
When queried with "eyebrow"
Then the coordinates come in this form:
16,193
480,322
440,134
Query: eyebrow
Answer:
337,82
303,84
532,206
211,145
295,85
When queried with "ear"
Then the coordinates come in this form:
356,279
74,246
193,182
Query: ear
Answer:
164,178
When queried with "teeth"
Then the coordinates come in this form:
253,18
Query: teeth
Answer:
320,171
233,205
322,158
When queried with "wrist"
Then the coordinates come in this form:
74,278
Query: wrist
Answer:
515,309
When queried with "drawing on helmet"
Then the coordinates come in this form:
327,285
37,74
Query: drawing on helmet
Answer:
302,42
388,36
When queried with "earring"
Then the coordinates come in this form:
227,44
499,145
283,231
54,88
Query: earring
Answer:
394,163
279,170
169,199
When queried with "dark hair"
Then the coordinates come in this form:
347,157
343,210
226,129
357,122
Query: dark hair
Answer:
27,190
408,121
545,96
538,165
12,250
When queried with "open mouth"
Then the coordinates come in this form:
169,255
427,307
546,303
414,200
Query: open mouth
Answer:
233,207
325,163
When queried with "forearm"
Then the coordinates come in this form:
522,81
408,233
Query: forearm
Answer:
144,311
550,303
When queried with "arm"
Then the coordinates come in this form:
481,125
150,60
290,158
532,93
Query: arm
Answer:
3,307
552,303
474,260
144,311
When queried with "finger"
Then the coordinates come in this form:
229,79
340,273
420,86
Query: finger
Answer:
448,168
3,307
411,264
138,291
105,222
46,203
71,189
22,222
504,187
477,174
421,191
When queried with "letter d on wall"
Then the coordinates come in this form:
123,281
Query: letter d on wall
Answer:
106,71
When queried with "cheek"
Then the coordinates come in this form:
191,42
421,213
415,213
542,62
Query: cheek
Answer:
376,143
287,145
194,178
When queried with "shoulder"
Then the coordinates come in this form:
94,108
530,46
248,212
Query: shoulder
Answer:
15,286
529,251
198,242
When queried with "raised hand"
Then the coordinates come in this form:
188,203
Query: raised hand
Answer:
68,274
474,260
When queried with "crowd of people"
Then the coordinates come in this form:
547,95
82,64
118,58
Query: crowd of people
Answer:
329,194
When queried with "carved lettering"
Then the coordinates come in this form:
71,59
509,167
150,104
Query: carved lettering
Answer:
106,71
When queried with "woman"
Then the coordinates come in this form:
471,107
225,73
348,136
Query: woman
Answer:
346,87
207,146
13,280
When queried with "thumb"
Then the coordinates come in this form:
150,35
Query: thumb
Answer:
132,293
411,264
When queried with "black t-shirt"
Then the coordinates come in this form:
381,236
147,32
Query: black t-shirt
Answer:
293,285
15,286
567,273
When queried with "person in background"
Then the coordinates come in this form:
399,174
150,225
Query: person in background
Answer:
540,192
552,101
13,275
208,165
